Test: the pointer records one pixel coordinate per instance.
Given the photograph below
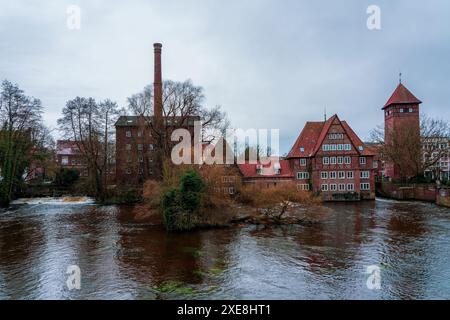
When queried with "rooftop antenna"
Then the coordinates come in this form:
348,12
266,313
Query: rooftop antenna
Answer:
400,77
325,114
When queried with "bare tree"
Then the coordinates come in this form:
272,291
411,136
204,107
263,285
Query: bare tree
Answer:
181,101
89,124
414,153
20,125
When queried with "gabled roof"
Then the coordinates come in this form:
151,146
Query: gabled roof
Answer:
402,95
67,147
307,140
313,134
248,170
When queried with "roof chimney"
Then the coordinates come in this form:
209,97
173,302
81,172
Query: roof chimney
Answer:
157,84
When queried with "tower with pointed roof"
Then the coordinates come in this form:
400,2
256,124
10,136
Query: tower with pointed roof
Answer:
401,115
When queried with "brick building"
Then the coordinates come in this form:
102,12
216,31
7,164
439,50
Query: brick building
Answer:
401,122
327,158
69,156
136,146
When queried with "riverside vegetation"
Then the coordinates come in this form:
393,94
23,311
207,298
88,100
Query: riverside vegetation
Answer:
187,199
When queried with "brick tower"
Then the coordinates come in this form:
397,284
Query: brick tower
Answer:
401,126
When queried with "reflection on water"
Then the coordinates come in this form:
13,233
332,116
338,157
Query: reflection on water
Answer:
121,259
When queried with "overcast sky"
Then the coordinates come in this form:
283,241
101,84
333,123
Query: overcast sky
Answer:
270,64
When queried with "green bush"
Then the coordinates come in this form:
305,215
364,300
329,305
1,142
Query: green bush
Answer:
181,205
66,177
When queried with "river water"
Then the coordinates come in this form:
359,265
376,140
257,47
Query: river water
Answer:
120,259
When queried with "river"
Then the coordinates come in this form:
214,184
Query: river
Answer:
120,259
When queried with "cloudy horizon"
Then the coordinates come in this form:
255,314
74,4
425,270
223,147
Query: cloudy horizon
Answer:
269,65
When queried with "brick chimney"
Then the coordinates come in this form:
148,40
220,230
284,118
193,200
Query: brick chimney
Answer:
157,84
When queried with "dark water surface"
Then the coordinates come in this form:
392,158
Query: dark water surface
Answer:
121,259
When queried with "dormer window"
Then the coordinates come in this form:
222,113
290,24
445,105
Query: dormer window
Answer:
302,149
277,168
259,169
361,148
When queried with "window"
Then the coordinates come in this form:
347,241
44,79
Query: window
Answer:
140,147
348,147
333,187
128,134
326,160
128,171
350,187
141,171
340,160
410,109
128,147
65,160
401,110
341,187
151,146
362,160
231,190
141,159
139,134
150,160
302,175
333,175
324,187
361,148
324,175
341,175
365,186
349,174
336,136
302,162
375,164
302,150
348,160
332,160
303,187
364,174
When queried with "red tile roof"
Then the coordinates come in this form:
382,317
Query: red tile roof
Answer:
314,133
248,170
401,95
307,140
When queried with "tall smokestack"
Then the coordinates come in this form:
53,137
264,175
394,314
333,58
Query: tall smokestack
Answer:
157,84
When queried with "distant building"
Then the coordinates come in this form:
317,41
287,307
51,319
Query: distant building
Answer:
439,149
69,156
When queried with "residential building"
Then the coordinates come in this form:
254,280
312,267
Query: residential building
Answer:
69,156
330,157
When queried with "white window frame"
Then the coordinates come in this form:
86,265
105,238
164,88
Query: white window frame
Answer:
341,187
362,160
128,133
348,160
364,186
303,162
364,174
333,175
324,187
333,160
303,175
324,175
350,175
326,160
350,187
333,187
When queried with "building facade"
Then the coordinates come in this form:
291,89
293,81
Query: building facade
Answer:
69,156
401,125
